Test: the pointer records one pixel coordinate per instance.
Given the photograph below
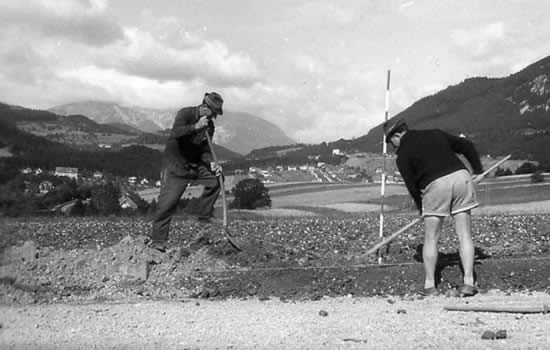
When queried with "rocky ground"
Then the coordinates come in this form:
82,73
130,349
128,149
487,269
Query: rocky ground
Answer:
297,283
71,259
327,323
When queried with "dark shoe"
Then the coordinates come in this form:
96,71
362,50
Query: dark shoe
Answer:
467,291
161,246
429,292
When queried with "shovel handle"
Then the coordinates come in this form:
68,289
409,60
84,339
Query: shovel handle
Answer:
220,180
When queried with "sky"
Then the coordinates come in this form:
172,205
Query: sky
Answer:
315,68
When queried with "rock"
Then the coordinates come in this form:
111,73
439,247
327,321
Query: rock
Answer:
25,253
138,271
452,293
488,335
501,334
391,301
323,313
401,311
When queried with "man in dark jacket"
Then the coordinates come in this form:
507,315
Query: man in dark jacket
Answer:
187,158
441,186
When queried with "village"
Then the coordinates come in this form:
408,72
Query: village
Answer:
357,168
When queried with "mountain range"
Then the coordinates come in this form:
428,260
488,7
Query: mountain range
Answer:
237,131
509,115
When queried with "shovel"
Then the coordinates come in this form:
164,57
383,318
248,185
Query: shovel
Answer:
226,232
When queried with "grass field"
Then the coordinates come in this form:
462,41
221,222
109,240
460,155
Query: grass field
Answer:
506,195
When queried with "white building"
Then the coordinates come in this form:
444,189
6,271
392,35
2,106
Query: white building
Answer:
67,172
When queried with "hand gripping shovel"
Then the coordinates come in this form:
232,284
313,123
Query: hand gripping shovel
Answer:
226,232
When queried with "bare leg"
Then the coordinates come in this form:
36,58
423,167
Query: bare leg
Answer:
463,227
432,230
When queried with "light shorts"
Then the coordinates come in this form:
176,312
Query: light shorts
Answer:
449,195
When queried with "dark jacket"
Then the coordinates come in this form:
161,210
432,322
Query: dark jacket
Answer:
426,155
187,148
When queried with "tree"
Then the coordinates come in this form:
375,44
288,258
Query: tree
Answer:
105,199
526,168
537,176
250,194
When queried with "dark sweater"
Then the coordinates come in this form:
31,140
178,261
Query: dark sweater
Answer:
186,147
426,155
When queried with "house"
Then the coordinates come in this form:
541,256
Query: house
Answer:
126,202
26,171
98,175
336,152
38,171
157,183
132,180
67,172
303,167
291,168
104,145
45,187
144,182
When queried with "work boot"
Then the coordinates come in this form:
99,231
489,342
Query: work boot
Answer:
467,291
429,292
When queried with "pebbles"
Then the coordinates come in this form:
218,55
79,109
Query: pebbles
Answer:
490,335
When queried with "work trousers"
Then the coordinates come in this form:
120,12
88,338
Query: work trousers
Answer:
171,190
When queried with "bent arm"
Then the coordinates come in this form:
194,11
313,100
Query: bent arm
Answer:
465,147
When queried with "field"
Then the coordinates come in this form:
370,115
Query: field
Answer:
309,247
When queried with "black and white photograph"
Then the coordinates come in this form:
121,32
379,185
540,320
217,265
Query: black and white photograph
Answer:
254,174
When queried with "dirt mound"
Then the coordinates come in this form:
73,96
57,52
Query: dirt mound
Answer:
64,259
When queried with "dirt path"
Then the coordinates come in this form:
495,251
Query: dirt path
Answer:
351,323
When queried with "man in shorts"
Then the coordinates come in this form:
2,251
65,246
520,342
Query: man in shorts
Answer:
441,186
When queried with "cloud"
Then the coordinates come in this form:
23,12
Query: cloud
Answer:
146,55
82,21
481,41
306,63
325,12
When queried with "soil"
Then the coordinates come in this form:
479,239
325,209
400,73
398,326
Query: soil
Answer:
51,265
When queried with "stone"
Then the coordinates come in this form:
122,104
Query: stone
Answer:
138,271
26,253
452,293
488,335
323,313
501,334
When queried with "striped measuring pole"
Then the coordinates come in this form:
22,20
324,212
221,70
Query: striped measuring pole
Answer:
384,154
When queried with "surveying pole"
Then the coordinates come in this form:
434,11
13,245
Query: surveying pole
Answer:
384,154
